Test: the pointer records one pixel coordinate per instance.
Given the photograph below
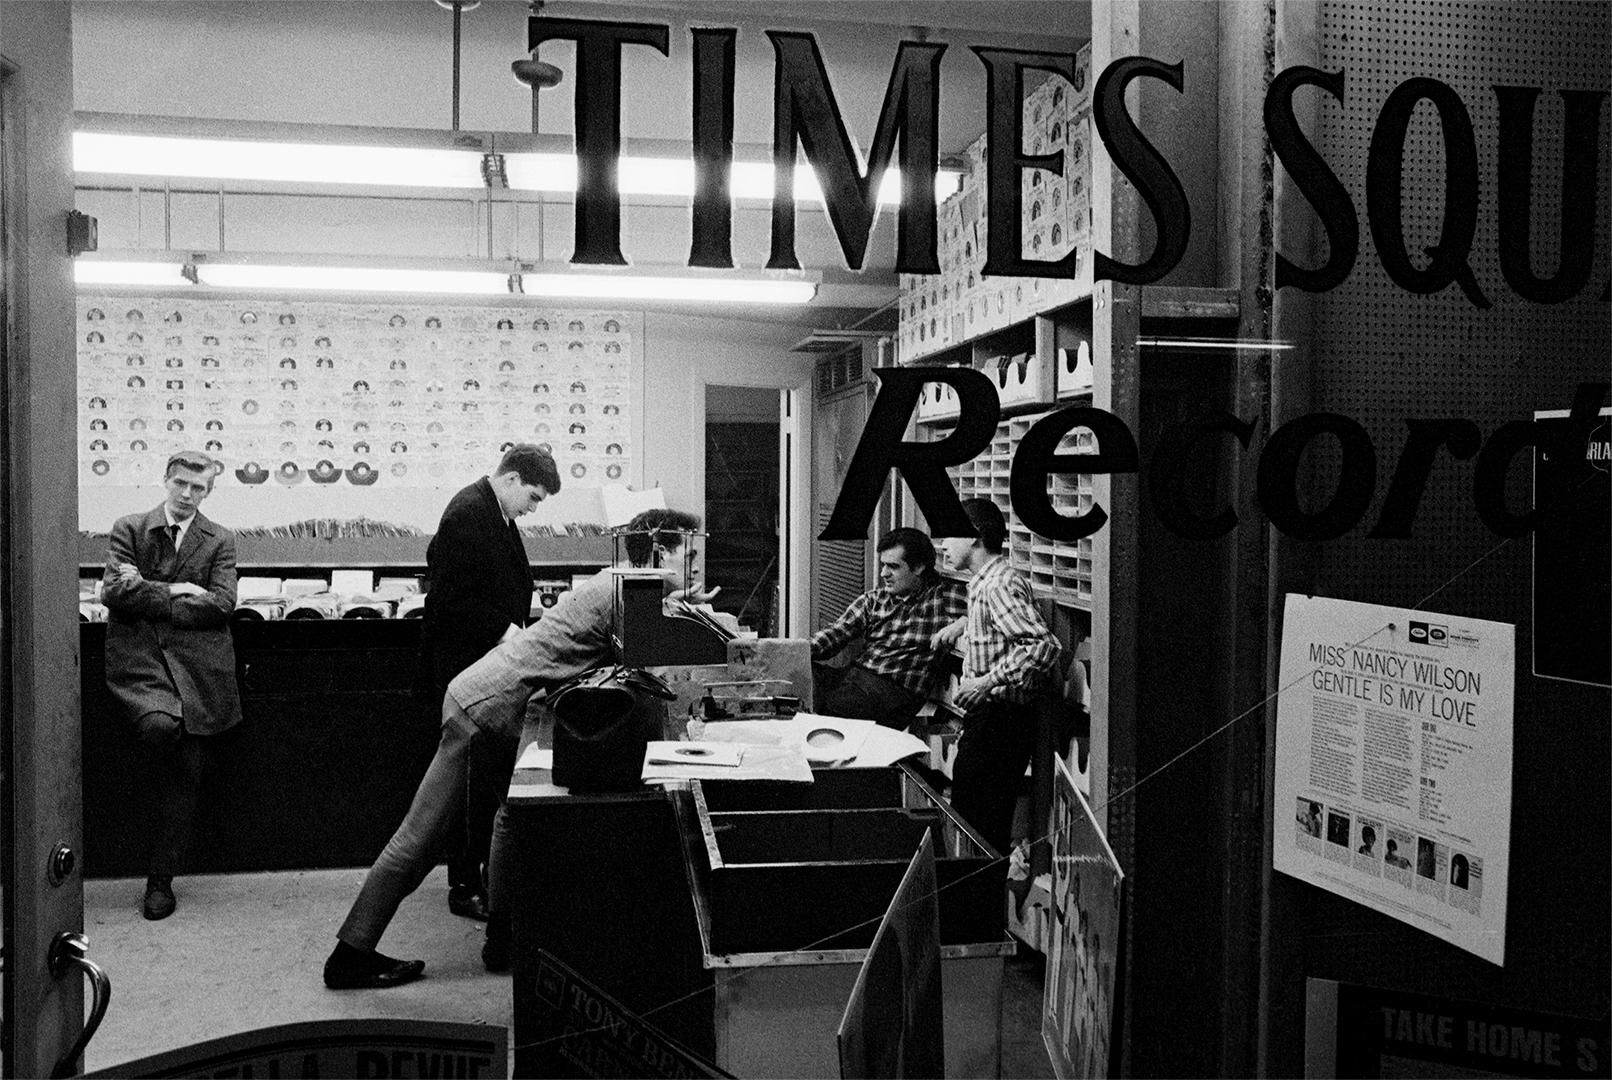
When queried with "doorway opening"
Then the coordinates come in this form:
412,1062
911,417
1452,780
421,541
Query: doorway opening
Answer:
742,503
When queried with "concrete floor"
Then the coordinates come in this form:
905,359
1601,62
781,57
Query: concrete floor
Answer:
245,951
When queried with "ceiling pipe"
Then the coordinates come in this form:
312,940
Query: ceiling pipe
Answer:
539,75
458,7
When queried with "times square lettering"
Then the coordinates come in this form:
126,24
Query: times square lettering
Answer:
805,112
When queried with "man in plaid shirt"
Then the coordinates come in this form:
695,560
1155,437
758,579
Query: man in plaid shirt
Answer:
1009,658
897,623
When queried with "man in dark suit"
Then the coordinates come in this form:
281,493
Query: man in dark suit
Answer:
480,592
169,588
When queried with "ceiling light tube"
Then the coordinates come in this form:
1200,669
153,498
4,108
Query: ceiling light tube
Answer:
601,286
401,166
722,290
94,272
242,159
1215,343
673,177
352,279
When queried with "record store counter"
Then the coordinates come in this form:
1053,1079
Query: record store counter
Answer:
734,916
333,743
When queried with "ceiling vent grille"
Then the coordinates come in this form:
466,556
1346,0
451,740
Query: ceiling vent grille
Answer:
854,351
838,372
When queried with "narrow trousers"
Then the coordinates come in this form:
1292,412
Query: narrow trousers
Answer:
179,768
992,754
411,853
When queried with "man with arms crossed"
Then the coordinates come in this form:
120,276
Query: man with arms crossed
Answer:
897,623
489,698
169,588
480,594
1009,656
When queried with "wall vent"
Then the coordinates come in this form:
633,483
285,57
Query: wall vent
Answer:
849,366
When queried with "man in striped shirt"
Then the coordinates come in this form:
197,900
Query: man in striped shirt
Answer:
897,623
1009,658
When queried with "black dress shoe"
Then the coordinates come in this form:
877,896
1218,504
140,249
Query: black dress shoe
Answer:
350,968
159,902
496,949
463,901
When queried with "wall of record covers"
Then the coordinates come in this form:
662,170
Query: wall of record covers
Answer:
349,410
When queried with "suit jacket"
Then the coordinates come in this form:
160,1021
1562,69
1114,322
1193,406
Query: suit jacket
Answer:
165,653
480,581
572,637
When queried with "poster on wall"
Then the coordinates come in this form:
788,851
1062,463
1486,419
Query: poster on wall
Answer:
1085,946
1393,763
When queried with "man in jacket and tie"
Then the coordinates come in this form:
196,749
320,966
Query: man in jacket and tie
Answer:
480,594
169,588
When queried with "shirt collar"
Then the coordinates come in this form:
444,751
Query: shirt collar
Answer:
992,568
184,526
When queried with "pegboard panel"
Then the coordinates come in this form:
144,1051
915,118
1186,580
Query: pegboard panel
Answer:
1385,354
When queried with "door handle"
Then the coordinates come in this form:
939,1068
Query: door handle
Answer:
67,951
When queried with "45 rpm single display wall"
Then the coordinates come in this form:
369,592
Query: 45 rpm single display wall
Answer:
345,410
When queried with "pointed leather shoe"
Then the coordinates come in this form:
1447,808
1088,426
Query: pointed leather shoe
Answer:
364,969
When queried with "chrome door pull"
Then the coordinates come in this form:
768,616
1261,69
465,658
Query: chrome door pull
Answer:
68,951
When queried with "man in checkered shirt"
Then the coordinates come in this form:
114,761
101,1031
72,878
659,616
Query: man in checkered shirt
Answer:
1009,657
897,623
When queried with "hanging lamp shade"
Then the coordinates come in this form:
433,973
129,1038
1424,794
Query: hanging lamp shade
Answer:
538,74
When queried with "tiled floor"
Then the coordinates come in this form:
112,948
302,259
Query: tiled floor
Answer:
244,951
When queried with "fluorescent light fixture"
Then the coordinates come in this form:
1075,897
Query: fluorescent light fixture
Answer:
1215,343
668,176
242,159
642,287
352,279
88,272
398,166
601,286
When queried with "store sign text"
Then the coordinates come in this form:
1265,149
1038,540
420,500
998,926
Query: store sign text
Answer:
922,465
805,112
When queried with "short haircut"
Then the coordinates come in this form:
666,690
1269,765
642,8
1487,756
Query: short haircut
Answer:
533,464
917,550
988,522
194,460
651,527
1368,834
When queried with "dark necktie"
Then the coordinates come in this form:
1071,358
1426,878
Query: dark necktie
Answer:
168,563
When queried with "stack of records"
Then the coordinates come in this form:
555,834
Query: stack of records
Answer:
364,607
259,608
321,605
